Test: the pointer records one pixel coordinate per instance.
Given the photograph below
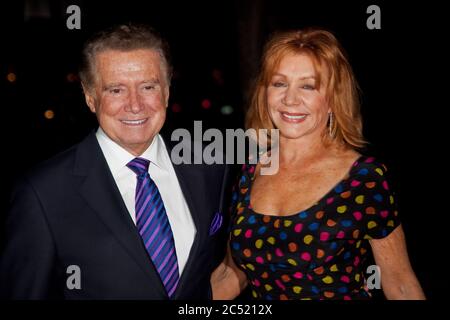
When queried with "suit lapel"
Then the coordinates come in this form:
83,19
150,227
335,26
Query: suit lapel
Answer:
101,193
186,186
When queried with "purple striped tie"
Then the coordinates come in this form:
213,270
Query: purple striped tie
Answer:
154,226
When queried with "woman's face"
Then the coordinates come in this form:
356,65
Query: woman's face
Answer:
297,107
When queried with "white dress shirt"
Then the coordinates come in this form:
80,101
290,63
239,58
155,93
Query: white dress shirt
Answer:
162,172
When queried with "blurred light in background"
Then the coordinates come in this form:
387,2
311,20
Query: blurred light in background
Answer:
37,9
217,76
226,110
71,77
206,104
49,114
11,77
176,108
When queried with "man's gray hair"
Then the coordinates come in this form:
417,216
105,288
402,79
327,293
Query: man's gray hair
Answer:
123,38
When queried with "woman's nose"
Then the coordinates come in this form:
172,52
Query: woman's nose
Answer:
291,97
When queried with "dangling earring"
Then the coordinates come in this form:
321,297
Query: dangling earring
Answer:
330,124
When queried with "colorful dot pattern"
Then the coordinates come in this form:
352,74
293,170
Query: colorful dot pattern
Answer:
319,253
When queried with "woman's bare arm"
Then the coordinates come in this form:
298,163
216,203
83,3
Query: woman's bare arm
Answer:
397,276
227,281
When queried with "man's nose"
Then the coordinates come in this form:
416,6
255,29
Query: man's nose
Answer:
135,104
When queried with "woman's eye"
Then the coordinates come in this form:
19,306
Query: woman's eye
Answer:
308,87
149,87
278,84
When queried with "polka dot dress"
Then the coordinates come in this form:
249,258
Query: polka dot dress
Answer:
318,253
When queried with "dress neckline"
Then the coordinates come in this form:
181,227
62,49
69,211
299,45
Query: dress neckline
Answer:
321,201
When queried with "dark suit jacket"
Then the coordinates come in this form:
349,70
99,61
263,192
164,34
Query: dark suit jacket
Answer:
69,211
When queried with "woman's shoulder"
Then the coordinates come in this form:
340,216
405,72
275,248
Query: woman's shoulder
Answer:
369,168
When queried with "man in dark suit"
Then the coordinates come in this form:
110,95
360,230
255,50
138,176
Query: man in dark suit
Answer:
113,217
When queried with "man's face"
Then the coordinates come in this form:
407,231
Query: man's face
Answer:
129,97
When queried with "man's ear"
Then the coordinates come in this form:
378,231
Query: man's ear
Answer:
167,94
89,97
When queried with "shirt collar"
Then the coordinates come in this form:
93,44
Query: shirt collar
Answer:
117,157
157,153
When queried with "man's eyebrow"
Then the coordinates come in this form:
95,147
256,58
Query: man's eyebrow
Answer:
153,80
118,84
111,85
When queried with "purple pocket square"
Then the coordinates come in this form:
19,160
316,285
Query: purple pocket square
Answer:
216,223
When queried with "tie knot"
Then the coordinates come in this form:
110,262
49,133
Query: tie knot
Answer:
139,166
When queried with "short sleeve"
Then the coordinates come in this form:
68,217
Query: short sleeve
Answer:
379,212
239,194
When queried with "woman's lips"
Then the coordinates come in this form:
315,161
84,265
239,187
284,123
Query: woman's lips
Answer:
293,117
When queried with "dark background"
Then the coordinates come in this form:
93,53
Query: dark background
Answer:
216,47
